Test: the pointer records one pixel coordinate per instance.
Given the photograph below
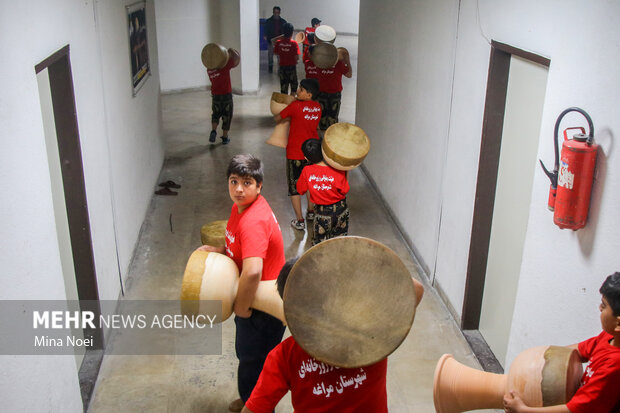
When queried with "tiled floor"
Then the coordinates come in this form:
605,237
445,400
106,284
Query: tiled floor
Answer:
171,232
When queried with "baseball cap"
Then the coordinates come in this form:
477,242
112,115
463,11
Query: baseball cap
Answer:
314,21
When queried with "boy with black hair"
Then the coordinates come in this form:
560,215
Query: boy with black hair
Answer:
328,188
254,242
600,383
287,50
221,97
305,113
309,33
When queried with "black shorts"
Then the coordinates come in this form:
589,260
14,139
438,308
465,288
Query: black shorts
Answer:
293,171
330,109
330,221
288,76
222,107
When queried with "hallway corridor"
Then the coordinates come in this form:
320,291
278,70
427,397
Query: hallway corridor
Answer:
171,231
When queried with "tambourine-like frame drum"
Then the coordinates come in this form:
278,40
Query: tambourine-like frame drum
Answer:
325,34
214,56
279,136
324,55
349,301
345,146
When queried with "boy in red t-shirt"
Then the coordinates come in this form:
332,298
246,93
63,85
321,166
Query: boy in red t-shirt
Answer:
309,33
254,242
305,113
221,97
287,50
316,386
328,189
600,383
330,81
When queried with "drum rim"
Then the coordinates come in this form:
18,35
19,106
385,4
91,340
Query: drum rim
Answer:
331,154
364,361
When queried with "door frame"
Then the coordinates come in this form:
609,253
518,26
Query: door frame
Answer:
492,129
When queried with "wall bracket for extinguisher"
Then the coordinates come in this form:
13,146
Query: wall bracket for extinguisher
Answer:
553,176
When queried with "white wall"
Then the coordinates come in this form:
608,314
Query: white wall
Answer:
342,15
116,131
184,27
418,116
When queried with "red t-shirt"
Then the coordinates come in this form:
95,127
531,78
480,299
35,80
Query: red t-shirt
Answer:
600,383
255,233
326,184
309,30
330,80
312,72
305,116
317,387
287,49
220,79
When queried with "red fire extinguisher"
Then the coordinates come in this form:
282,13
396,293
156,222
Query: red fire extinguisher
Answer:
572,176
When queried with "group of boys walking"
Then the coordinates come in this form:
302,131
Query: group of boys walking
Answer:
268,368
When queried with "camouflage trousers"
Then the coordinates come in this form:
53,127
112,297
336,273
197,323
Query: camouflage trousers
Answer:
288,76
222,107
330,109
330,221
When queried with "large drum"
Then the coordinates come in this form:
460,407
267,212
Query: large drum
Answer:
214,233
300,37
349,301
325,34
324,55
214,276
543,376
345,146
214,56
279,137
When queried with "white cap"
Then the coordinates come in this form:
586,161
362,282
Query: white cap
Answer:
325,33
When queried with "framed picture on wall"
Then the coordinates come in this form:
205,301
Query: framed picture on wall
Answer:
138,45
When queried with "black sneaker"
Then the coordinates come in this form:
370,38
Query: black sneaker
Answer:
298,224
225,140
212,136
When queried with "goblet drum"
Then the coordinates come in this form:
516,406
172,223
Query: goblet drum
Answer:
543,376
325,34
279,136
214,233
300,37
349,301
214,276
345,146
214,56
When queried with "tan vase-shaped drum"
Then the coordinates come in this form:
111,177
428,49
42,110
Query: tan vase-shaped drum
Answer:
214,276
542,376
324,55
214,56
214,233
345,146
279,137
300,37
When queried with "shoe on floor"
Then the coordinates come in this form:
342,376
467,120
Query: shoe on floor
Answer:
165,191
298,224
170,184
212,136
236,405
225,140
310,216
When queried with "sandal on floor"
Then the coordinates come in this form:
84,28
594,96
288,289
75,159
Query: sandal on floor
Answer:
165,191
170,184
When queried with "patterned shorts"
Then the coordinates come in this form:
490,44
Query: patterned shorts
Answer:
288,76
222,107
330,109
293,171
330,221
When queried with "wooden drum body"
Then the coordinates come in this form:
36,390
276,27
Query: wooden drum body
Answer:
214,276
345,146
543,376
349,301
214,56
214,233
279,137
